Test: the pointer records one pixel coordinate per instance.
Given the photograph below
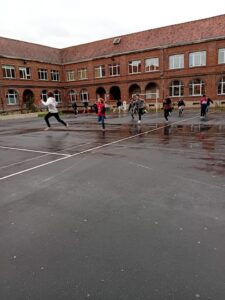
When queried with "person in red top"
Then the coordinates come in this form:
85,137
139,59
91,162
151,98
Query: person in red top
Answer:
101,112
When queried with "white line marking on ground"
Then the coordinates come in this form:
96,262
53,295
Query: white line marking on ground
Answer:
33,168
91,149
34,151
23,161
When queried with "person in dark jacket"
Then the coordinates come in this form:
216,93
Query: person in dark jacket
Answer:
74,106
209,101
167,107
203,103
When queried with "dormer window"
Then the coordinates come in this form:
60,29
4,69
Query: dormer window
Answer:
116,41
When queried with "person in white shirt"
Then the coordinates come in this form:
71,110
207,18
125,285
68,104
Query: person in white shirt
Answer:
52,110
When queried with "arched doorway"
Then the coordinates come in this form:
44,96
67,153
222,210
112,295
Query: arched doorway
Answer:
134,89
100,93
114,93
152,91
152,95
28,100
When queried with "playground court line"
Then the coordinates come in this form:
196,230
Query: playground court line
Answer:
34,151
91,149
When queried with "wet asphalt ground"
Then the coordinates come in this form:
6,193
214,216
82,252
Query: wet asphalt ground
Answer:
133,213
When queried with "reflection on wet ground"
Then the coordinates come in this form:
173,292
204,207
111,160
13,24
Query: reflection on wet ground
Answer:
139,207
199,140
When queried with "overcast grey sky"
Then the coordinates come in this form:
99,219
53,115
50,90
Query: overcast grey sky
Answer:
63,23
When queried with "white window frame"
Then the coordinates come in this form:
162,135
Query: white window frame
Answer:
54,75
197,59
82,74
73,95
100,71
176,87
24,73
221,56
70,75
44,95
84,95
8,71
134,66
11,97
42,74
221,86
176,61
114,69
151,64
57,96
199,86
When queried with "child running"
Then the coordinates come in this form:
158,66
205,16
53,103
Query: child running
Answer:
101,112
52,110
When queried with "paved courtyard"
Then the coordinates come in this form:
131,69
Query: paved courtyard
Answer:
133,213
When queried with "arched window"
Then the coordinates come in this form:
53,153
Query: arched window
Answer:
176,88
72,95
196,87
84,95
44,95
152,91
57,96
12,97
221,86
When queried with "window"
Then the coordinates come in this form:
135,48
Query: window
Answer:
221,56
24,73
114,70
82,74
70,75
151,64
84,95
176,61
11,97
197,59
221,86
42,74
44,95
8,72
100,71
176,88
54,75
197,87
73,95
57,96
134,67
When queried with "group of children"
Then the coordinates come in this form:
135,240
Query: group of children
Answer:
168,107
136,106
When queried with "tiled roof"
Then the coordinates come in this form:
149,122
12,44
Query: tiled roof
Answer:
184,33
28,51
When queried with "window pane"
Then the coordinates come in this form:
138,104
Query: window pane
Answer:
176,61
134,66
221,56
151,64
197,59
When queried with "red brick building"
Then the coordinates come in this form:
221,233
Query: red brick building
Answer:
184,60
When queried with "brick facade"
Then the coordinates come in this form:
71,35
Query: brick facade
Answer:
207,35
